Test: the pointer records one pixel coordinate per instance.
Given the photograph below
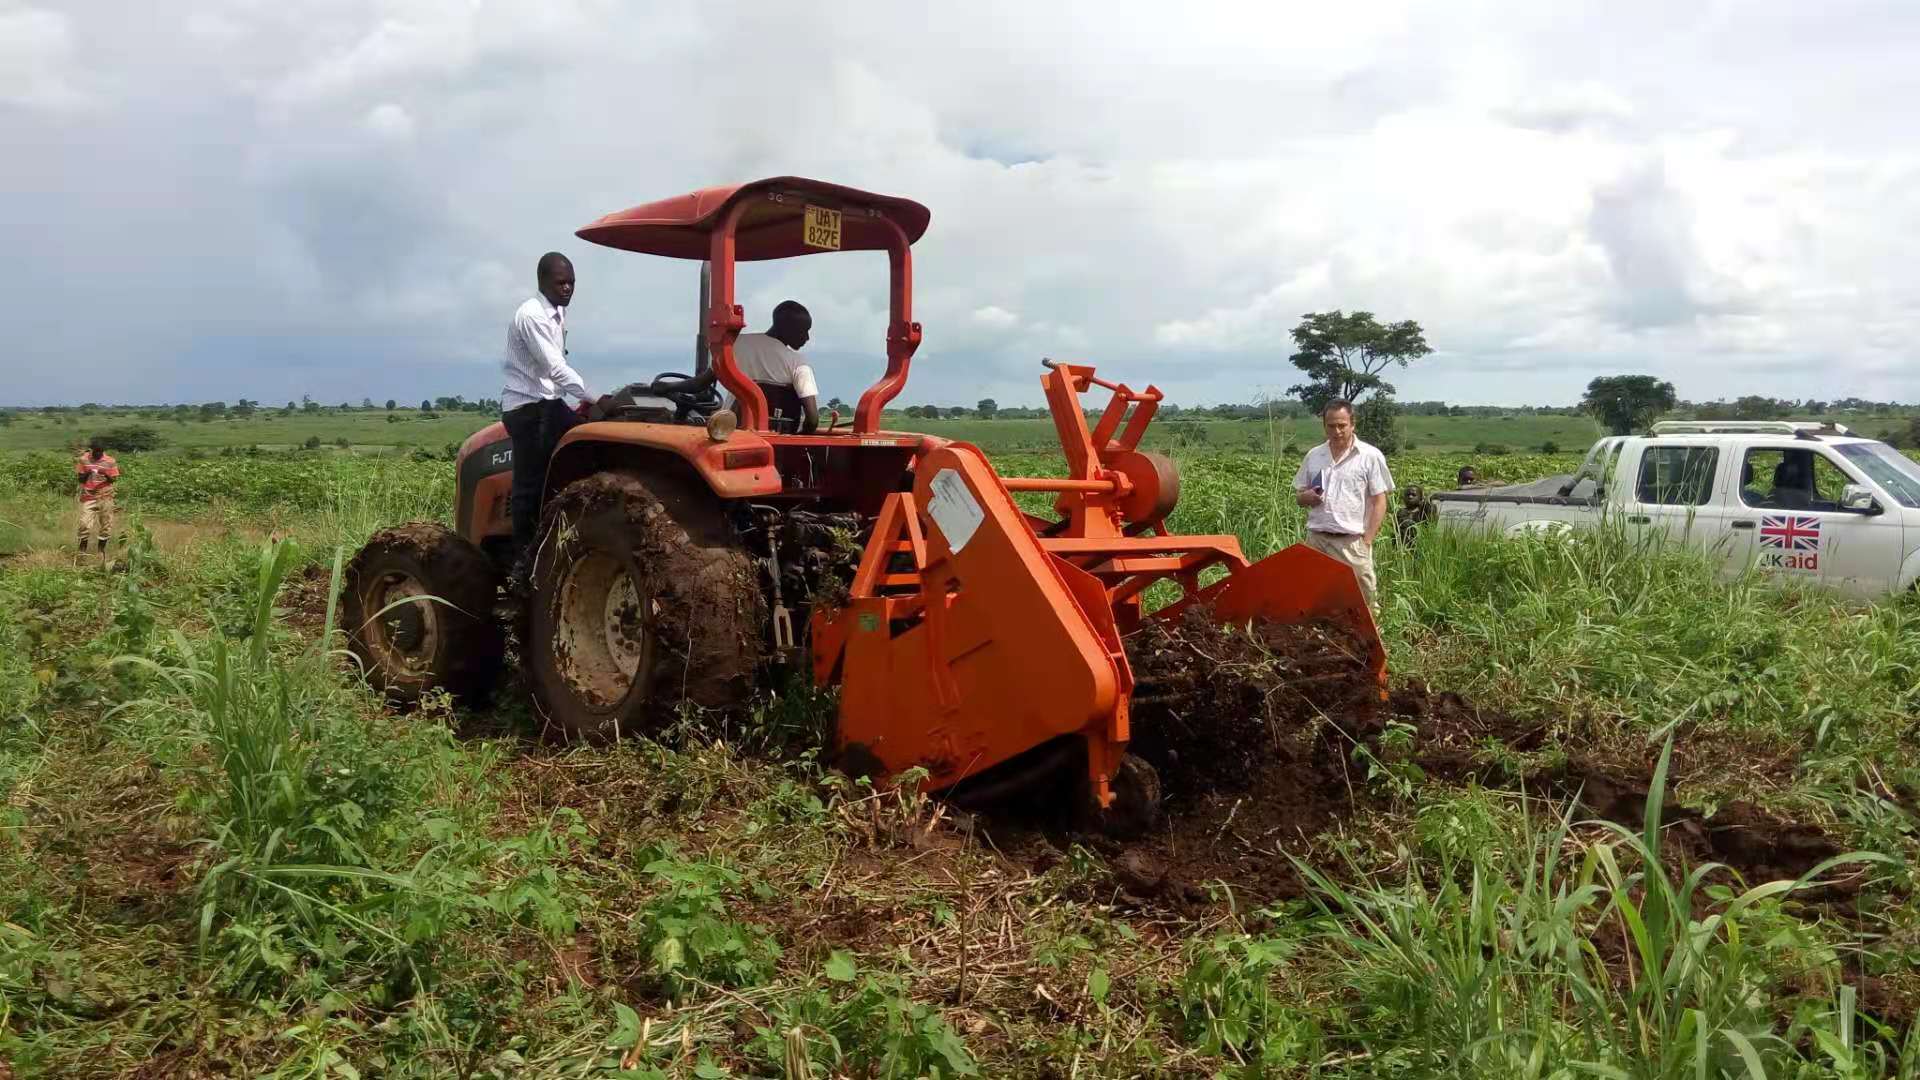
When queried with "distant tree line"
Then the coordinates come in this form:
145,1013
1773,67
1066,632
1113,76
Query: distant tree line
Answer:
246,408
1758,407
1374,397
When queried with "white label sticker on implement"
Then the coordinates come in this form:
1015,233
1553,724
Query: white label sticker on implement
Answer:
954,509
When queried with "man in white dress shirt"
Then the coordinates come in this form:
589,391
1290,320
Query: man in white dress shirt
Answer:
539,380
1343,483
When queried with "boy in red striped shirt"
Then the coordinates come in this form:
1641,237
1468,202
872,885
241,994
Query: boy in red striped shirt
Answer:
96,471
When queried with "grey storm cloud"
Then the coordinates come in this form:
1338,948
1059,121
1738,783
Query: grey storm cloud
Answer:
222,198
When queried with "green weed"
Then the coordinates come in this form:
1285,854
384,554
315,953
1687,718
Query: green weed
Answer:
1525,962
687,934
297,891
860,1024
1224,1004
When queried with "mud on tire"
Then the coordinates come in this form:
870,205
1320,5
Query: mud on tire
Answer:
642,599
408,648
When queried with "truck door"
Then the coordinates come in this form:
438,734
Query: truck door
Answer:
1673,494
1787,510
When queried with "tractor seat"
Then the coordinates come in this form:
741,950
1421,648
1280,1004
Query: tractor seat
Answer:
784,411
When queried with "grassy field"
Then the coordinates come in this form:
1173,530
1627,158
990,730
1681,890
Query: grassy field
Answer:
267,429
221,855
1518,433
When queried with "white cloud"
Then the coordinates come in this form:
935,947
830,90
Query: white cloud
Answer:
1261,321
36,60
390,121
995,317
1719,196
1569,107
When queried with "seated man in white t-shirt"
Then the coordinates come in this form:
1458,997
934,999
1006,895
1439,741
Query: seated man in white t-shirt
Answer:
773,360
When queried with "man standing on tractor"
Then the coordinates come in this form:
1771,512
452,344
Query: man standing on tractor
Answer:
773,360
1343,483
538,381
96,470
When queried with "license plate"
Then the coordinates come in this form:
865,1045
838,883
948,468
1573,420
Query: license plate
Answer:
821,228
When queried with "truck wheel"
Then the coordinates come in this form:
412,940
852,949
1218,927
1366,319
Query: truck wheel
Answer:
643,599
407,642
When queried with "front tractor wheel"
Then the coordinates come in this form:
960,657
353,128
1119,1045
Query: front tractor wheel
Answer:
416,603
643,600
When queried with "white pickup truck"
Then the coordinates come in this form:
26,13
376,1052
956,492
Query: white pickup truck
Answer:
1795,498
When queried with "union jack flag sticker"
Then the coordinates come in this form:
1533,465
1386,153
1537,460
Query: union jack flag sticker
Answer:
1790,532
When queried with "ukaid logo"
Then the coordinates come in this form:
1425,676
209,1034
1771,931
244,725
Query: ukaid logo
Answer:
1789,542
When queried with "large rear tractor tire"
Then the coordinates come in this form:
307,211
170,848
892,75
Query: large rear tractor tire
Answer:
408,641
643,600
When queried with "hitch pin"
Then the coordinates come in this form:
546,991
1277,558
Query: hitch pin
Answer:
782,618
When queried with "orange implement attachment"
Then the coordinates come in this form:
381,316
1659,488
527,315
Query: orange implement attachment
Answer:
975,632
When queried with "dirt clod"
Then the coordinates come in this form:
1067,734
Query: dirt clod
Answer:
1250,729
1259,734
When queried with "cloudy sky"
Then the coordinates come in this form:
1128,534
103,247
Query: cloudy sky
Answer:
264,198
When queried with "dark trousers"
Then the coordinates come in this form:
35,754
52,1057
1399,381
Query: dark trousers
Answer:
535,430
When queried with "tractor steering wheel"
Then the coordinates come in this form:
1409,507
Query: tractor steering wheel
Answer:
697,401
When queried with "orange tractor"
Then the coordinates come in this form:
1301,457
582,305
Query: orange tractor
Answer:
684,548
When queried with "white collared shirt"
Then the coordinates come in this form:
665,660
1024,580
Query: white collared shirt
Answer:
536,363
1345,486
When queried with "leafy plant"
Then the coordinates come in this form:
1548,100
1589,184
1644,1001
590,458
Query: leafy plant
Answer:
1451,826
1223,1002
688,936
861,1024
1391,767
133,622
539,894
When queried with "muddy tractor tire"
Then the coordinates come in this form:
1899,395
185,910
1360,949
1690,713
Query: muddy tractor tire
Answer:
643,600
410,647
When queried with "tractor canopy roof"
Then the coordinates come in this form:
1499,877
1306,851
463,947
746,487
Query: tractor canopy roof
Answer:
680,227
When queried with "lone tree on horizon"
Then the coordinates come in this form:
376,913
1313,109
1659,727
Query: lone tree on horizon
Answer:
1343,355
1626,402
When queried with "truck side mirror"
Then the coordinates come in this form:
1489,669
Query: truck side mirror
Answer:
1859,499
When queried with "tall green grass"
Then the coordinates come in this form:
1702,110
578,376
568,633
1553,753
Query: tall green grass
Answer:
1582,952
302,881
365,895
1643,628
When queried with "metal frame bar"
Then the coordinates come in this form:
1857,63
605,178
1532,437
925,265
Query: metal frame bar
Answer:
724,319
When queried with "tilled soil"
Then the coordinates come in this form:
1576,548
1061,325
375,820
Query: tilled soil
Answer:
1264,738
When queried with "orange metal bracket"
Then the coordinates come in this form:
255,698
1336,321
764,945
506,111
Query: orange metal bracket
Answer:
1007,631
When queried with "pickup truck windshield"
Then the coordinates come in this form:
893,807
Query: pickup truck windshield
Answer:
1887,467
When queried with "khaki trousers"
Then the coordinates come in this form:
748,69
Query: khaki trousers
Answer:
96,520
1355,552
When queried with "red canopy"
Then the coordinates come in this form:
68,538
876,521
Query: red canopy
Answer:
680,227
